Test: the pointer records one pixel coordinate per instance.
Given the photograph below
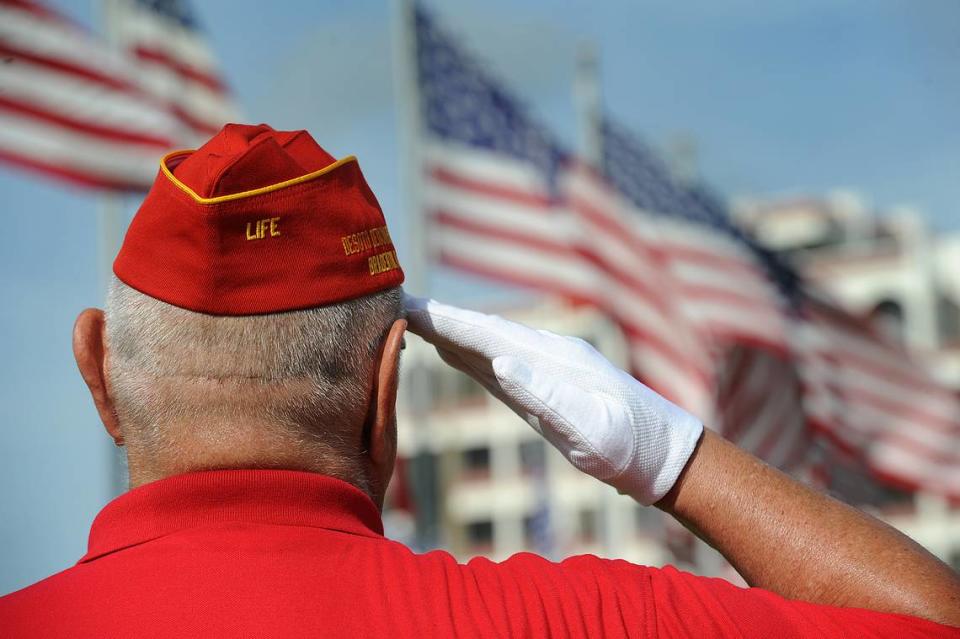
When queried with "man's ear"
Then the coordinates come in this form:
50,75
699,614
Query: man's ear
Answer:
382,423
89,349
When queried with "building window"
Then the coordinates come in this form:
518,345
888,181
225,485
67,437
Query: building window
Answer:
480,535
887,317
948,321
475,462
467,390
529,529
452,389
647,520
533,453
537,530
587,525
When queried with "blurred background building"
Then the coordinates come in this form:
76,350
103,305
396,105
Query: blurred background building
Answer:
887,266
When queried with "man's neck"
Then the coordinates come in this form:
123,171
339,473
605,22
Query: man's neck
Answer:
244,448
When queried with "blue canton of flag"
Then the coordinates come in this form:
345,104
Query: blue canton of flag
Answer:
640,175
178,11
462,103
637,172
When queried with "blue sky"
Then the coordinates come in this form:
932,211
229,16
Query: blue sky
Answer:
780,97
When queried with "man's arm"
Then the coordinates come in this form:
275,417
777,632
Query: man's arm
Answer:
780,535
786,538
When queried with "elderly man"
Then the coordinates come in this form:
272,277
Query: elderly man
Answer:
247,361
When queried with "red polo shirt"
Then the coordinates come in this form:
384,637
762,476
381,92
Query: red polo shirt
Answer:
264,553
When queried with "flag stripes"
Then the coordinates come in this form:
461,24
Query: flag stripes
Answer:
523,237
174,63
869,398
69,107
76,109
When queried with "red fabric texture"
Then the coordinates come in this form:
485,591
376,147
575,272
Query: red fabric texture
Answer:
267,553
299,246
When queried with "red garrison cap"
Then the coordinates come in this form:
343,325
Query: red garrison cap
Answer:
258,221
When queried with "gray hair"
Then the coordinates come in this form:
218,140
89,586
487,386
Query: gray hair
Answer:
307,372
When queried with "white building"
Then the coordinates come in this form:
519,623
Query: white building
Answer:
891,267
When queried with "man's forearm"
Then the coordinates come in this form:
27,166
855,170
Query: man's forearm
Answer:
787,538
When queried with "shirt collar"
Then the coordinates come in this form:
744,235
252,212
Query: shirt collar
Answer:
283,497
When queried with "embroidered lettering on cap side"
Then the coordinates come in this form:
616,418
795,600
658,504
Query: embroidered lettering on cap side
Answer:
368,240
365,240
383,262
269,227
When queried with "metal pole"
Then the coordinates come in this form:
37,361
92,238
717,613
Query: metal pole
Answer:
110,229
410,135
587,100
426,471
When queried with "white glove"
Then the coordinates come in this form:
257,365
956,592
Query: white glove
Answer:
605,422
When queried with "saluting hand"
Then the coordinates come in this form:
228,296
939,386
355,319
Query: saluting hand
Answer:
605,422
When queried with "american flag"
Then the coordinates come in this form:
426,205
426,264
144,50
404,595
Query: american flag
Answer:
739,299
876,407
495,189
174,63
712,320
76,108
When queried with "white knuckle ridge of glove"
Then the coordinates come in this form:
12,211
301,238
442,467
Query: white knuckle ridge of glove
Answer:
605,422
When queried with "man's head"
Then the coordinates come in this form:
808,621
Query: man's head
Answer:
230,342
310,390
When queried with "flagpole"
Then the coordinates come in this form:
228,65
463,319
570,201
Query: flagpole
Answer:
588,104
409,137
587,101
110,229
425,476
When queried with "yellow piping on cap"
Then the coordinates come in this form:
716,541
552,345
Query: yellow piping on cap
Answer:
239,196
